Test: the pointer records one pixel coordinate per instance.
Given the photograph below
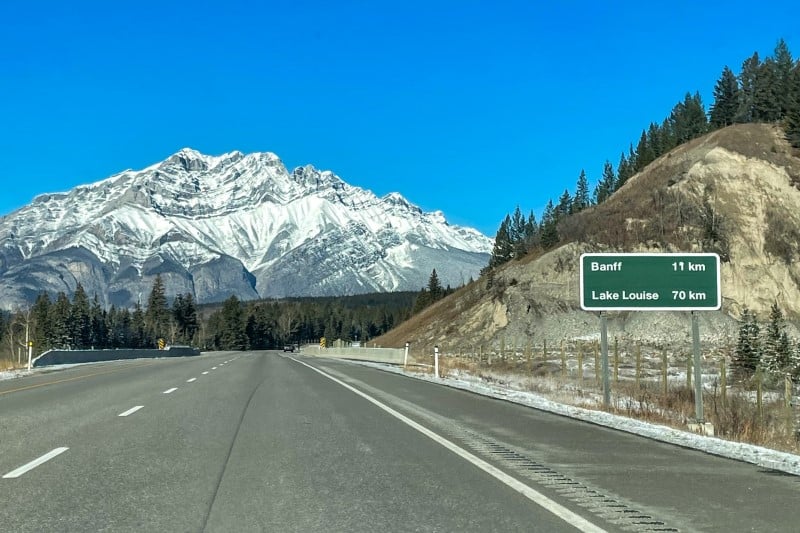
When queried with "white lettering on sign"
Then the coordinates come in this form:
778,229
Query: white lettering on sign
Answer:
641,295
606,267
605,295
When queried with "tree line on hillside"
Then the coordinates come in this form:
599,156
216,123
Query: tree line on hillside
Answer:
763,91
82,323
258,325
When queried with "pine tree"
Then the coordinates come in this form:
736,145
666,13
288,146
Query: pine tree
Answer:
548,232
232,335
793,112
531,231
81,326
503,249
688,118
766,104
435,287
726,100
42,327
644,152
98,330
61,322
564,206
624,171
581,200
156,317
748,347
607,184
776,356
784,65
748,79
517,234
138,338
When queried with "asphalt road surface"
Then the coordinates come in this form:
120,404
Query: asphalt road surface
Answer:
266,441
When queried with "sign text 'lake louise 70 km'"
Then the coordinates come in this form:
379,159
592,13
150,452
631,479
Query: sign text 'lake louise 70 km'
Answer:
650,282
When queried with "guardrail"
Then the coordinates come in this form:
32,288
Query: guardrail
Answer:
63,357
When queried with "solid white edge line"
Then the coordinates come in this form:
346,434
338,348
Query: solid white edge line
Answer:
190,380
131,410
170,391
535,496
33,464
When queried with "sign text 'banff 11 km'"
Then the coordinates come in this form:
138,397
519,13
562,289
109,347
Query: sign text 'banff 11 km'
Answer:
650,282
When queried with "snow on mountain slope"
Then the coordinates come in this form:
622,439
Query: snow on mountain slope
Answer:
231,224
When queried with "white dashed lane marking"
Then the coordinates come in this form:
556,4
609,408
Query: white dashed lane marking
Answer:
131,410
33,464
190,380
170,391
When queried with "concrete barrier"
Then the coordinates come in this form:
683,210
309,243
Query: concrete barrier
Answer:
392,356
64,357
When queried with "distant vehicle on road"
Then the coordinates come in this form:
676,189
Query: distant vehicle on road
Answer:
289,347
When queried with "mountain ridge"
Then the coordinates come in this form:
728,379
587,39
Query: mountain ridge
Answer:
301,233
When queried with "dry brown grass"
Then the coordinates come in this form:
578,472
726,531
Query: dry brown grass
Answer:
735,418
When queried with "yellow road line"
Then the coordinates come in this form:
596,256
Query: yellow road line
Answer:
70,379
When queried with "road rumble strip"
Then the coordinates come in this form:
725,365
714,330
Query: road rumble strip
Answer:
535,496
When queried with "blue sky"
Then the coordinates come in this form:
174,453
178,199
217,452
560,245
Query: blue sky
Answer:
469,107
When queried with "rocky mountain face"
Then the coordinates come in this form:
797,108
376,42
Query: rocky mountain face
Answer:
733,191
234,224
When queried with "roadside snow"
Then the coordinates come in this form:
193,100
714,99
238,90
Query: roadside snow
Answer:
12,374
757,455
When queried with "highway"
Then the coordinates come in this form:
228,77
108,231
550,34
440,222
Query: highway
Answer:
266,441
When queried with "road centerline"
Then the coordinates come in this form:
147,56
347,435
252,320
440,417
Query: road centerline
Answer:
535,496
33,464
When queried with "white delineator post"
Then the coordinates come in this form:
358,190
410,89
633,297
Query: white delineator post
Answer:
405,357
436,361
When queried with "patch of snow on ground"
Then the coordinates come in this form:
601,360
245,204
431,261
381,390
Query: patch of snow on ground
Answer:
758,455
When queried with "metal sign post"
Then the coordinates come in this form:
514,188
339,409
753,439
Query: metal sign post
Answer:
651,282
604,355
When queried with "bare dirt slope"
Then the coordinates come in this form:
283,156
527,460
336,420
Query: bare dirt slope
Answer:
741,182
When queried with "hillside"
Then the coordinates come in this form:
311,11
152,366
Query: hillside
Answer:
733,191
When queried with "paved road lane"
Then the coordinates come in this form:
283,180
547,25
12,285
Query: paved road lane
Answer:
261,443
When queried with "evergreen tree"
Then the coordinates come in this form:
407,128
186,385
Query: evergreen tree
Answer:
644,152
138,338
503,249
435,287
81,326
156,317
748,79
606,185
748,347
688,119
777,351
60,321
517,234
581,200
793,112
42,327
564,206
98,329
784,65
766,100
232,334
624,171
531,233
548,232
726,100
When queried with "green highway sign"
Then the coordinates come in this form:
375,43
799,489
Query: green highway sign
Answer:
650,282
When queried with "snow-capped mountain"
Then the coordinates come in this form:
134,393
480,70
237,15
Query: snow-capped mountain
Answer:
229,225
